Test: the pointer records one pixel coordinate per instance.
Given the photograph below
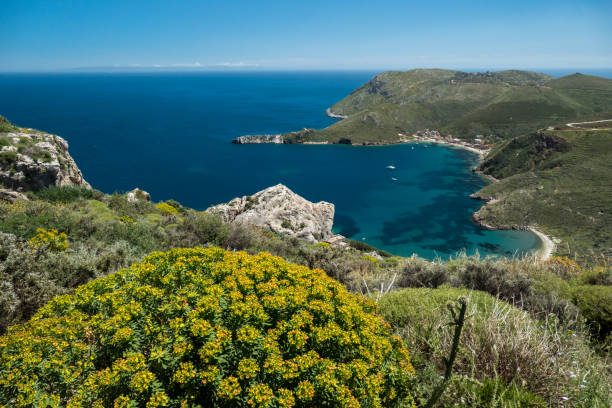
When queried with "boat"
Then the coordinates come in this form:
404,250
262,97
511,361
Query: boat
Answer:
391,167
393,178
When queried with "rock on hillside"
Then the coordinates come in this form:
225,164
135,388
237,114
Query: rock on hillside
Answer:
31,160
281,210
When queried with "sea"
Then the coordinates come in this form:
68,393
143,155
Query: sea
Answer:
170,133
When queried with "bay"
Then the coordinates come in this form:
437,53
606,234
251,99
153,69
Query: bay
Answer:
170,133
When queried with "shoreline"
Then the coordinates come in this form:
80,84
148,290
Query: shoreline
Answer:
479,152
548,246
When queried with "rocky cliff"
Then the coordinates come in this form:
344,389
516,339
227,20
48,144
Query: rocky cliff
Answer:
31,160
281,210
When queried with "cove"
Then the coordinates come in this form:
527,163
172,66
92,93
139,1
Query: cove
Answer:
170,133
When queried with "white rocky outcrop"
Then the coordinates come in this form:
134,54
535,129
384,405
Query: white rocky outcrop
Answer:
281,210
137,195
258,139
33,160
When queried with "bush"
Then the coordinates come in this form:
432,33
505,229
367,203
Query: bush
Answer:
5,125
65,194
491,276
167,209
120,204
418,273
200,228
205,327
51,239
499,342
28,279
597,276
595,304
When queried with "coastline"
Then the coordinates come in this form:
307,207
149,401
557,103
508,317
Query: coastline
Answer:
548,246
479,152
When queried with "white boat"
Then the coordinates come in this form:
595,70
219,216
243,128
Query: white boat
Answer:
391,167
393,178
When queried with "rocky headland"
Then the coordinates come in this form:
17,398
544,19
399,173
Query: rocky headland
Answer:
280,210
32,160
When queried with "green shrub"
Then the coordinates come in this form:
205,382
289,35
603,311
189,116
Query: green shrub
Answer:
491,276
595,304
598,275
203,228
120,204
362,246
206,328
66,194
418,273
8,158
499,342
5,125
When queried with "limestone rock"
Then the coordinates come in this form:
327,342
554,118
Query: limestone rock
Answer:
11,196
138,195
281,210
33,160
257,139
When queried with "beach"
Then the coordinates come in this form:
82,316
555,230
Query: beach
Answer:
548,246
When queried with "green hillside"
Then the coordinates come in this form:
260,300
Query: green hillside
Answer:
559,181
503,104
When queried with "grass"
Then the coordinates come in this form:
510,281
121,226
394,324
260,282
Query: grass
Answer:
505,356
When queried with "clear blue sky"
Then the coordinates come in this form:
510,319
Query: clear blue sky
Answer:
313,34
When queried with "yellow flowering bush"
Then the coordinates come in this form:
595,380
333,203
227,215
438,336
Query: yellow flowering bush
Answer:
53,239
166,208
206,328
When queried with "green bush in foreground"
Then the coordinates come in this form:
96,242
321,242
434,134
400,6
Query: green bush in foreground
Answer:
205,327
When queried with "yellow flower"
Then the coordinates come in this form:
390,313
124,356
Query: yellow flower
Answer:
229,388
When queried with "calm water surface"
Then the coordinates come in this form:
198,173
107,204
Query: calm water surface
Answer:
170,134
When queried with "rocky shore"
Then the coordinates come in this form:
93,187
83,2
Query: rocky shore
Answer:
331,114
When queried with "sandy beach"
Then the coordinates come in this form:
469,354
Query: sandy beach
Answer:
548,246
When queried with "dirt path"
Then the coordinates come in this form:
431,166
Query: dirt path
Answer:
572,125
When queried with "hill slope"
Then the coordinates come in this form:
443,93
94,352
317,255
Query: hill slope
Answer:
504,104
557,180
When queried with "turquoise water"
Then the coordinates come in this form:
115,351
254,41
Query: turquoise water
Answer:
170,134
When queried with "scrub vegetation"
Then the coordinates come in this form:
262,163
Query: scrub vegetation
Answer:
557,305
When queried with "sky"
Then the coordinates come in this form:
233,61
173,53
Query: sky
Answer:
51,35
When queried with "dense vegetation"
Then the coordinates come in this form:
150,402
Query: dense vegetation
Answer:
104,233
558,180
503,104
209,328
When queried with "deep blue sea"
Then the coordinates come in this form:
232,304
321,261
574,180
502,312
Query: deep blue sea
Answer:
170,133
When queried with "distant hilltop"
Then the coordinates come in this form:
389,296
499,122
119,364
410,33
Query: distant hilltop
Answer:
499,104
